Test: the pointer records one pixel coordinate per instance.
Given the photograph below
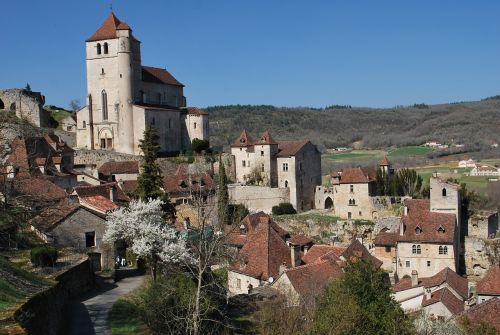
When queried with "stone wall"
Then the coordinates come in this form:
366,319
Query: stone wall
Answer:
99,157
258,198
479,255
27,105
43,313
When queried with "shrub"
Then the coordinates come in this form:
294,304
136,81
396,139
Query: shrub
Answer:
283,209
44,255
199,145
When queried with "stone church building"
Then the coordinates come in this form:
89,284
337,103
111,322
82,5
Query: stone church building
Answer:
124,97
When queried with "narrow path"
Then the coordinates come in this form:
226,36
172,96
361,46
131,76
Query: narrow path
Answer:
89,315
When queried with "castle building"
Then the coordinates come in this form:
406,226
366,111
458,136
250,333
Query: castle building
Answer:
124,97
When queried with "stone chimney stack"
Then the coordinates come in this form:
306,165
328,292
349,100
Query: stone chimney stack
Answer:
294,255
406,210
112,193
414,278
428,294
306,249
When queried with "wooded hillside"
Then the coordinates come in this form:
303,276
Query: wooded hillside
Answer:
474,124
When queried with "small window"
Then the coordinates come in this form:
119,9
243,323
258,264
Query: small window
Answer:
387,249
84,125
443,192
351,188
286,183
428,263
90,239
262,168
262,153
238,283
243,163
98,48
407,264
445,250
441,230
418,230
419,251
106,48
285,167
360,213
102,71
349,215
195,125
414,249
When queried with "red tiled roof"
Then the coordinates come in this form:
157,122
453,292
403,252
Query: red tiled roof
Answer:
319,250
49,217
110,168
290,148
311,279
357,250
405,284
251,222
384,162
354,175
18,157
195,111
244,140
447,275
490,284
452,303
103,190
486,312
419,215
39,189
299,240
159,75
266,139
99,203
128,186
263,254
184,182
108,29
386,239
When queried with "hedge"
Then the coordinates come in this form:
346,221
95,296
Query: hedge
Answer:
44,255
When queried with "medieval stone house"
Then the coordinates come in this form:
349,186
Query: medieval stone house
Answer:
26,104
125,97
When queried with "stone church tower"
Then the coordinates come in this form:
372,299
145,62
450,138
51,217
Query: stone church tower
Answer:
125,97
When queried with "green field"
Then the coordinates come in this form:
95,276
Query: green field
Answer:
473,183
370,155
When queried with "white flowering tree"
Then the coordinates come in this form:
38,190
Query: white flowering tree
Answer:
142,226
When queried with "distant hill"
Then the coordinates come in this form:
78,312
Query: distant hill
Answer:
474,124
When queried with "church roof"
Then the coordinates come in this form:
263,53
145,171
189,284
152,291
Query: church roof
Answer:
158,75
108,29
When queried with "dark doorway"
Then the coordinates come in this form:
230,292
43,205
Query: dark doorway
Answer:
95,260
2,106
328,203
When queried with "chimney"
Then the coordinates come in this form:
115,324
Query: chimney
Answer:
414,278
112,193
428,294
294,255
406,210
306,249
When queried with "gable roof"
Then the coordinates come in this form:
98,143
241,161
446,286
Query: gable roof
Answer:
486,312
386,239
102,190
354,176
49,217
310,279
39,189
184,182
158,75
357,250
98,203
112,167
452,303
299,240
319,250
251,222
263,254
290,148
384,162
108,29
490,284
419,215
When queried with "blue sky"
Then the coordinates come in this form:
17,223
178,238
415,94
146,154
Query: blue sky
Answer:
285,53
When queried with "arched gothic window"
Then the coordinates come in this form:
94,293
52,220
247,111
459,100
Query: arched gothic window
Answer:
98,48
106,48
104,97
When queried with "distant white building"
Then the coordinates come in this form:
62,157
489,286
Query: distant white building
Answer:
467,163
485,170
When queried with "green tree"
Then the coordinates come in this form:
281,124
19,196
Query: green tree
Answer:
407,182
360,303
383,182
150,181
222,196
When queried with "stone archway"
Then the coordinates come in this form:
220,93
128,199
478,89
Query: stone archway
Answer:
328,203
2,106
105,139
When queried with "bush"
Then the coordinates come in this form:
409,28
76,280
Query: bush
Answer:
44,255
199,145
283,209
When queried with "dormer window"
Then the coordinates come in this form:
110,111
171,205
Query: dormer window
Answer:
441,230
98,48
183,184
243,229
106,48
242,140
418,230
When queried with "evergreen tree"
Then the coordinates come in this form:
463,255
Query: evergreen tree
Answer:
28,87
222,196
150,181
383,182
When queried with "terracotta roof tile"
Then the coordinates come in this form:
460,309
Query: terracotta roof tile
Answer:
386,239
251,222
184,182
448,299
266,139
244,140
490,284
311,279
39,189
108,29
103,190
433,227
299,240
99,203
355,175
49,217
290,148
319,250
384,162
159,75
447,275
486,312
110,168
358,250
195,111
128,186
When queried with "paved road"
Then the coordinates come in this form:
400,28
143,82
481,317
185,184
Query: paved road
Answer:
88,316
